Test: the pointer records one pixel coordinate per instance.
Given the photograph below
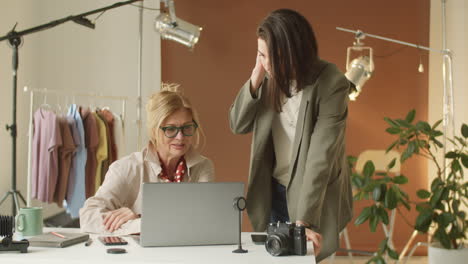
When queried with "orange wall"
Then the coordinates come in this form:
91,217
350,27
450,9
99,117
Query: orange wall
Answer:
213,72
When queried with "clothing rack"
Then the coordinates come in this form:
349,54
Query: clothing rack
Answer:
45,91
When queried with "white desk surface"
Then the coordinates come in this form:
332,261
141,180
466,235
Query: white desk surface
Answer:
96,253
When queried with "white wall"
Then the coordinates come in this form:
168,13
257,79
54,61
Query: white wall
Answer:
457,42
74,58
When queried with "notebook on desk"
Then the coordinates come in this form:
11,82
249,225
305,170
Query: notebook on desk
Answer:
51,240
188,214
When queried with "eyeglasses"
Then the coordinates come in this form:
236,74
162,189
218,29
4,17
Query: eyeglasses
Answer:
187,130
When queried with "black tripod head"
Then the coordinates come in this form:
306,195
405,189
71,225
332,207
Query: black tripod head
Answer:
6,231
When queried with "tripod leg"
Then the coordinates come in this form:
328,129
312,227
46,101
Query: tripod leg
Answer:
4,197
15,199
22,198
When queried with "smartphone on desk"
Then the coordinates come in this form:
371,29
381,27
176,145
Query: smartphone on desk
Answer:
112,240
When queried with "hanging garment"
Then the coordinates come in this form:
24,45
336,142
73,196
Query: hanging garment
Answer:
109,118
76,188
46,141
106,162
119,135
91,143
101,152
65,156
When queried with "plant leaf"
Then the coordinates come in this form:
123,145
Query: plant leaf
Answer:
451,155
425,206
383,215
410,116
403,142
383,246
435,199
377,193
369,169
400,179
405,204
442,236
436,124
456,166
423,127
357,182
461,141
351,160
391,164
437,133
438,143
391,122
456,206
373,222
390,199
423,194
391,146
464,130
403,123
366,212
393,130
409,151
423,221
464,159
435,184
379,260
445,219
393,254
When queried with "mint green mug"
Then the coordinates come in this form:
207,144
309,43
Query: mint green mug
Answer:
29,221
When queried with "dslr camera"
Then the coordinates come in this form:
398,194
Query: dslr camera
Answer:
286,239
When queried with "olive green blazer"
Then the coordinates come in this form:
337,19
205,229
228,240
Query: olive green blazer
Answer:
319,190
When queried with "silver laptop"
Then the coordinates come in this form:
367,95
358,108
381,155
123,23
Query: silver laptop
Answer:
187,214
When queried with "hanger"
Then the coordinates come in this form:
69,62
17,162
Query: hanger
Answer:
45,105
59,107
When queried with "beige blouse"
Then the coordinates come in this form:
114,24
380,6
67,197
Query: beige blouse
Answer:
122,188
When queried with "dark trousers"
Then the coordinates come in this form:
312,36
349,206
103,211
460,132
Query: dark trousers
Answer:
279,206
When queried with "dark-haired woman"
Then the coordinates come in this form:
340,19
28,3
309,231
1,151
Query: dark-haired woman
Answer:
296,105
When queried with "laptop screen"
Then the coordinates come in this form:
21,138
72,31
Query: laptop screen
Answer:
187,214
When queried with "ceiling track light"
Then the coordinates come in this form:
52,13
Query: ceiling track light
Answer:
360,69
173,28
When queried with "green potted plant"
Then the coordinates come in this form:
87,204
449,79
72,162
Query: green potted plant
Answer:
383,189
441,213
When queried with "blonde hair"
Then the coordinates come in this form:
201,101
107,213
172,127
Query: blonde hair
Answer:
164,103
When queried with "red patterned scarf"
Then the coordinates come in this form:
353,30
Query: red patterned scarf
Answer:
181,168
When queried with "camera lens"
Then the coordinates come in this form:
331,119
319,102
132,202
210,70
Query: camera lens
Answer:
277,244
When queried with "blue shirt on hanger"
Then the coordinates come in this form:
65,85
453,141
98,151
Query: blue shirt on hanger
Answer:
76,184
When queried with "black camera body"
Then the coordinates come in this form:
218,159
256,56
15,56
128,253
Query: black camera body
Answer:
286,239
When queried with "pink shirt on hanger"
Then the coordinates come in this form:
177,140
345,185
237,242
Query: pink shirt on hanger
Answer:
46,140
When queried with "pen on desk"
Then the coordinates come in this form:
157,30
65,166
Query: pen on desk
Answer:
57,234
88,243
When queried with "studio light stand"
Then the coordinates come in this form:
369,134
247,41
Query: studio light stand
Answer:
15,40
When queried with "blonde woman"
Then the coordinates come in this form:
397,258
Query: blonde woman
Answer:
171,156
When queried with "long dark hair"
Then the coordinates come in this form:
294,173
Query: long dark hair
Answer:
292,49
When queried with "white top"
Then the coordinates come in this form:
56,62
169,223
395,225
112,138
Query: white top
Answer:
284,129
122,187
119,135
96,253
